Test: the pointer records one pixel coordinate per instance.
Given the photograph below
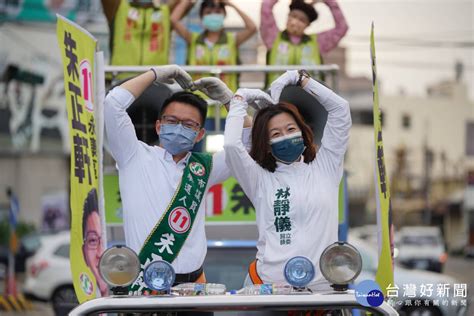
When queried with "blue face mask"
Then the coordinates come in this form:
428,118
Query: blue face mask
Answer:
289,148
176,138
213,21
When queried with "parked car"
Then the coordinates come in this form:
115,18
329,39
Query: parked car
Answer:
27,247
421,247
48,273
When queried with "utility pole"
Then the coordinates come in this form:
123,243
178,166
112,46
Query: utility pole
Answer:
14,208
428,164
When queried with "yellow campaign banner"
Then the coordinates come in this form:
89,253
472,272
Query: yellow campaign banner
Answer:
78,49
384,275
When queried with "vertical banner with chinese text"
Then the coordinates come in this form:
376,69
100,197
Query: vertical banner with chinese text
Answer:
384,275
78,48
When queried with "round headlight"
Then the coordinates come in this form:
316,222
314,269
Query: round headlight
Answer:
299,271
159,276
340,263
119,266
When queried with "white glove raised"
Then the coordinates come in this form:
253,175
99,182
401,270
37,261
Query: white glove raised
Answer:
256,98
214,88
170,73
289,78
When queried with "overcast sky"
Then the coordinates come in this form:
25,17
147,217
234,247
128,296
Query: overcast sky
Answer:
415,39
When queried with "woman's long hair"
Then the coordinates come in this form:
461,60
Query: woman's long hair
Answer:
261,149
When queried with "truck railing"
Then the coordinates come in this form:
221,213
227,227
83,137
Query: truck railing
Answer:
302,302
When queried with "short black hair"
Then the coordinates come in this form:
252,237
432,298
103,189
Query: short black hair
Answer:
211,4
307,8
190,98
91,205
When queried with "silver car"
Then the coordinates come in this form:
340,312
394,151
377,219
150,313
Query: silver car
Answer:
421,247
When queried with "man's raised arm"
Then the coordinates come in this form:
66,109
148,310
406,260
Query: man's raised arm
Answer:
122,140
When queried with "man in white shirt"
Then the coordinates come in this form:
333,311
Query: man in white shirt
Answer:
162,186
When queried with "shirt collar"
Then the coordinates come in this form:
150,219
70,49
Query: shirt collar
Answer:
164,154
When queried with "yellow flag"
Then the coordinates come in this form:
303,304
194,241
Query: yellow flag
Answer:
78,49
384,275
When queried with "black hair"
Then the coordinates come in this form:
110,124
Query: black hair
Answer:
307,8
211,4
190,98
91,205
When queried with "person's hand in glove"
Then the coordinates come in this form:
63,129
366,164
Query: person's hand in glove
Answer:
170,73
214,88
256,98
289,78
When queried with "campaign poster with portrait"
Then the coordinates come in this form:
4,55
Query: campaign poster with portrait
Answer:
78,48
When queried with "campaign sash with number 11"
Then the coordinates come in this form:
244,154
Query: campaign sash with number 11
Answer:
169,235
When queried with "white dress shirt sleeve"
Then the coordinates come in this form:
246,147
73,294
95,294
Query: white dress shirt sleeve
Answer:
121,136
336,132
220,171
243,167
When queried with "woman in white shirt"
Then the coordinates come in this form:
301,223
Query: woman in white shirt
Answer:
292,183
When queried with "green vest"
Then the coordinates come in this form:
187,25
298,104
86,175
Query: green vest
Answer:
224,52
284,52
140,36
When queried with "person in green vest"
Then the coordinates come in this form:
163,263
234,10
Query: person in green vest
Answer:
139,32
292,46
214,46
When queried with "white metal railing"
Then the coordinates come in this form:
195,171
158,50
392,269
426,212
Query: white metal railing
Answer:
229,69
330,69
241,303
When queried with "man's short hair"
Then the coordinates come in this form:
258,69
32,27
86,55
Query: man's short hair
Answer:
91,205
307,8
190,98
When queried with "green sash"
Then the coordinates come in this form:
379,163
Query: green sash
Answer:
168,237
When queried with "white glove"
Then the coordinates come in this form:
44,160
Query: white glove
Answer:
289,78
256,98
214,88
170,73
